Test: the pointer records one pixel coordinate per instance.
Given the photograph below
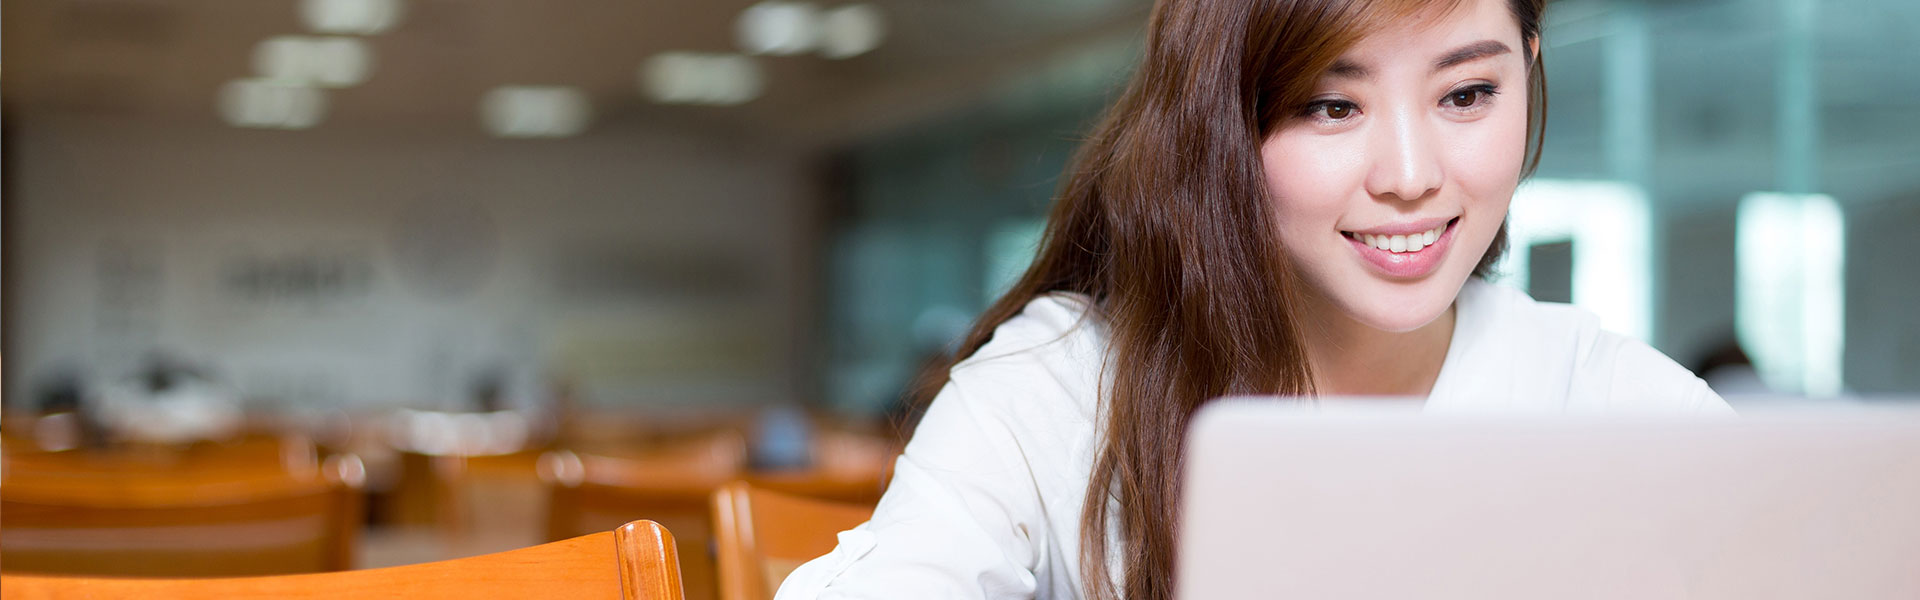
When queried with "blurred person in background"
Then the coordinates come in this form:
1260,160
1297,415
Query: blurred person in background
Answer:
1292,197
167,401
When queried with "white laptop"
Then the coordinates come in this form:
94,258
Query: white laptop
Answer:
1281,502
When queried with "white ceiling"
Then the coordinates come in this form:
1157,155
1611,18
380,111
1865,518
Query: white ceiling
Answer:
1714,77
170,57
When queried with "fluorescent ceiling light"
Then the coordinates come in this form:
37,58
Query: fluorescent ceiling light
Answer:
776,27
695,78
519,111
271,104
321,61
850,31
354,17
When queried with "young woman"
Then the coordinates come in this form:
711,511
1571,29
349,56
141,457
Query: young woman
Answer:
1295,197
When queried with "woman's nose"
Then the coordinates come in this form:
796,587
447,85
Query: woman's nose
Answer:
1404,163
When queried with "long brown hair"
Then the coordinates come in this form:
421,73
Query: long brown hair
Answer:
1164,221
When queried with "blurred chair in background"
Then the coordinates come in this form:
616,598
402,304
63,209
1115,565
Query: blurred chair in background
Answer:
846,467
59,419
764,535
463,483
673,481
167,400
635,562
245,453
249,508
669,484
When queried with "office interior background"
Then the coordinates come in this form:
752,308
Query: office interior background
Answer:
694,211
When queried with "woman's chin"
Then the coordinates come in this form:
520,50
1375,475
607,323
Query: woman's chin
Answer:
1399,315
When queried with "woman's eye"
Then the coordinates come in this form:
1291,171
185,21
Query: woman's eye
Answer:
1469,97
1331,110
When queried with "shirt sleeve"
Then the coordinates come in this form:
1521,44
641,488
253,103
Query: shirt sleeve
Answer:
960,518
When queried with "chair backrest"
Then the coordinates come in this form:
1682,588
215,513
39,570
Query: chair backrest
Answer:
292,453
847,467
764,535
447,459
190,519
635,562
670,484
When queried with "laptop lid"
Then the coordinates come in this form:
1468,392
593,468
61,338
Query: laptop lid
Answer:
1285,502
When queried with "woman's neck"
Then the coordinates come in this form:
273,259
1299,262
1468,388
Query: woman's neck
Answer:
1350,358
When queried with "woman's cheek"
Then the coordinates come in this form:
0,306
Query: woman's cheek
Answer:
1305,206
1487,160
1311,176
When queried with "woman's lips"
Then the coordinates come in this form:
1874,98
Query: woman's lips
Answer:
1416,257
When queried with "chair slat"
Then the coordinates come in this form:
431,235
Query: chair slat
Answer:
763,535
94,516
636,562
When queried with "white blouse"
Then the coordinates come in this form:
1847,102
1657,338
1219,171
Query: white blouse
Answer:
986,500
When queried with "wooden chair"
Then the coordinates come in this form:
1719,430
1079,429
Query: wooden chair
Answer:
674,483
847,467
670,484
764,535
469,504
635,562
254,453
195,518
446,458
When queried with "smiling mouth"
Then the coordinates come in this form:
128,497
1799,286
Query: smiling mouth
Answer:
1402,244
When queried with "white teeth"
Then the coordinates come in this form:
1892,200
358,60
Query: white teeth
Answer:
1402,243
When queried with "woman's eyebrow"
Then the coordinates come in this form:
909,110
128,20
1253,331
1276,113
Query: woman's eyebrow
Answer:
1347,69
1469,53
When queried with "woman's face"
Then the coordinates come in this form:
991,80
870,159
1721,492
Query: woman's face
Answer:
1389,187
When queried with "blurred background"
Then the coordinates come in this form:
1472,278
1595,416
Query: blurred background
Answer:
423,233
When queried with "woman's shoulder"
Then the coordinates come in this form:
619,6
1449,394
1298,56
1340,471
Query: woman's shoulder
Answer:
1051,323
1053,350
986,497
1056,330
1560,347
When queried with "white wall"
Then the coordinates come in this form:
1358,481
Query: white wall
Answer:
547,258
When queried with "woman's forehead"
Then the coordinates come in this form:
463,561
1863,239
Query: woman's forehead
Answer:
1440,34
